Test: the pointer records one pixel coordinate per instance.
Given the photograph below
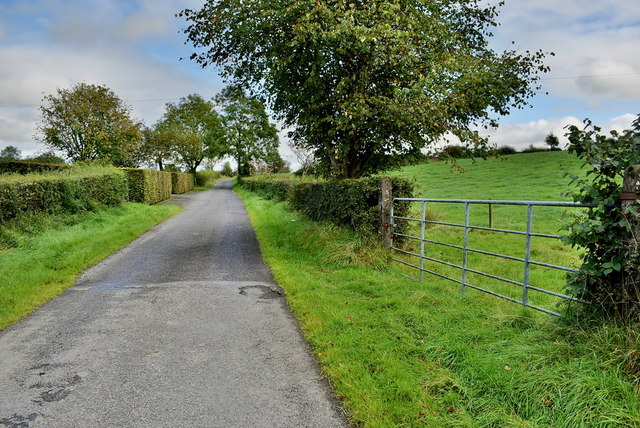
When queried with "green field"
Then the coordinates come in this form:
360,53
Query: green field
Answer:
405,354
531,177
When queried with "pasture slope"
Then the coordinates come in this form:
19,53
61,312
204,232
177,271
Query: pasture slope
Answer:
402,354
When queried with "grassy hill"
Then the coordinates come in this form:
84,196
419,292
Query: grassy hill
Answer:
525,176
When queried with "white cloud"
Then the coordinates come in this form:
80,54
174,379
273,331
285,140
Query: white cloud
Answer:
598,39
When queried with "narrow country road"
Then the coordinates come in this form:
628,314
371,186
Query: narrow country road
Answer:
183,328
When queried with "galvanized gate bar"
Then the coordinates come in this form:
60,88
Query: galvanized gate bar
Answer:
466,249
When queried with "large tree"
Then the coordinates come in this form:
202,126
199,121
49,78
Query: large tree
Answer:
251,137
196,131
157,146
90,122
365,82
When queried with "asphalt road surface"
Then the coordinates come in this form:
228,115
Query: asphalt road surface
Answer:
185,327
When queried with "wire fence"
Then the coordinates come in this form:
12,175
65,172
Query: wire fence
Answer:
458,268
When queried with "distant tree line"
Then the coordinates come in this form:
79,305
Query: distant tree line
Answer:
90,123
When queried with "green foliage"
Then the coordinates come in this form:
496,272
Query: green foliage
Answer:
148,185
505,150
403,354
48,157
10,153
88,123
157,146
54,193
207,177
353,203
193,130
534,149
226,170
29,167
363,84
456,152
552,141
181,182
610,265
251,137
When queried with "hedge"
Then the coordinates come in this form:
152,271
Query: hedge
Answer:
181,182
148,185
59,193
207,176
353,203
26,167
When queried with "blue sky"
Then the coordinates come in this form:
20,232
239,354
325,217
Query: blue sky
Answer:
134,46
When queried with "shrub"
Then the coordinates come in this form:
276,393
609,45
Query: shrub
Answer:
505,150
59,193
26,167
181,182
607,233
353,203
148,185
534,149
227,170
206,177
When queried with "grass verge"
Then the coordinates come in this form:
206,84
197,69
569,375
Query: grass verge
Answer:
404,354
42,255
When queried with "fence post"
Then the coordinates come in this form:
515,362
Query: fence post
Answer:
630,195
385,203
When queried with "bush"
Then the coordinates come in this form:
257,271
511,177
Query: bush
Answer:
59,193
353,203
181,182
26,167
607,234
456,152
148,185
534,149
505,150
206,177
227,170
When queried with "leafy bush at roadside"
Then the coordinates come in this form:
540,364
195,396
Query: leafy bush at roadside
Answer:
51,193
148,185
181,182
206,177
26,167
353,203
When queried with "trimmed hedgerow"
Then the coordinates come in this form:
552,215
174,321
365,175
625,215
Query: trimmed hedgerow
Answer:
59,193
181,182
353,203
26,167
148,185
207,177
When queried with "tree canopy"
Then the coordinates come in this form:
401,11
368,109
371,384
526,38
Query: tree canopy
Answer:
90,122
10,153
363,83
193,130
251,137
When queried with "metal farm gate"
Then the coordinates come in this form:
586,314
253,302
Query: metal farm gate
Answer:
458,269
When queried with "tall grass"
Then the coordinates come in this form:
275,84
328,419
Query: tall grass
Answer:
41,255
407,354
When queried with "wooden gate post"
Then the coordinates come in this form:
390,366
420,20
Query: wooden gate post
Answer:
630,196
385,202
